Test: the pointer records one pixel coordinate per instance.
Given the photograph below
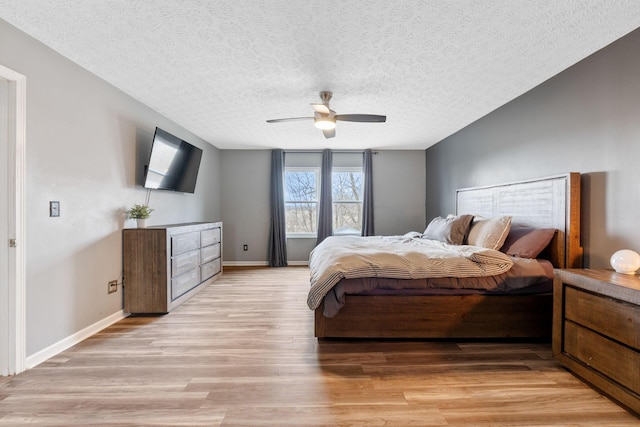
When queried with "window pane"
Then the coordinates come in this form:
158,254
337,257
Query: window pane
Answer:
347,218
301,185
347,185
301,217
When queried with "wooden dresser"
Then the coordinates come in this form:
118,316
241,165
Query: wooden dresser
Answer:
596,330
166,265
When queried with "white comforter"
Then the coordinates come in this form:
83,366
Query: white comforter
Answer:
396,257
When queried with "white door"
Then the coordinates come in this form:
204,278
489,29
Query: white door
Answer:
12,234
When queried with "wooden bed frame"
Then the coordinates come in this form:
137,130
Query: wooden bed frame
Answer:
549,202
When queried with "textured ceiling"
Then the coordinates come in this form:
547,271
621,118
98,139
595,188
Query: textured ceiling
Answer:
222,68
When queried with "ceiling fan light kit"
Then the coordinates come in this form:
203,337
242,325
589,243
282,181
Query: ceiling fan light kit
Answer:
325,123
325,118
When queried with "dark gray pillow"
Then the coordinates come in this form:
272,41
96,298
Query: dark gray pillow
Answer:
527,242
451,229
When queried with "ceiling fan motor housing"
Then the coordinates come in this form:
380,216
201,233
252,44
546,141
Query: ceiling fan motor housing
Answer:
325,96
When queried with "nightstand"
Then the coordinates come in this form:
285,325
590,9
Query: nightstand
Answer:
596,330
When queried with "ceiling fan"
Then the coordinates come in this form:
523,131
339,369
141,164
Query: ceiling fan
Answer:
325,118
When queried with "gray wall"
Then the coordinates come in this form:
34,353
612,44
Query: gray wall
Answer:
245,204
399,202
399,192
587,120
83,141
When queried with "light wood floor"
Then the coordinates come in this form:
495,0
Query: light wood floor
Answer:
242,353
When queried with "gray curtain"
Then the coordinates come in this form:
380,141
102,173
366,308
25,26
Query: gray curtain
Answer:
325,210
278,230
367,200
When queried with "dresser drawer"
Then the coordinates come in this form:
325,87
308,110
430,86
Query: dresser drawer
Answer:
184,283
210,236
210,253
613,318
210,269
613,360
185,262
181,243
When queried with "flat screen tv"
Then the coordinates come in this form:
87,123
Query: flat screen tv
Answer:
173,164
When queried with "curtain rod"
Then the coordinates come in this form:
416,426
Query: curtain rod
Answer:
333,151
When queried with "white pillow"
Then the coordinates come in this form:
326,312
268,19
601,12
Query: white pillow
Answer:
489,232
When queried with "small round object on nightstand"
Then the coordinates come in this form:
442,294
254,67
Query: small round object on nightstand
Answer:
625,261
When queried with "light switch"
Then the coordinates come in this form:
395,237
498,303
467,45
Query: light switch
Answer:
54,208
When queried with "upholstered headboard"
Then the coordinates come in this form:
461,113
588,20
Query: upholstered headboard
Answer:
549,202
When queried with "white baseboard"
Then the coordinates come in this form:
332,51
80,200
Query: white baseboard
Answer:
245,263
44,354
257,263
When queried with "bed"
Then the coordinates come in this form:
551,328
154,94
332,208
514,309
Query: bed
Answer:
544,203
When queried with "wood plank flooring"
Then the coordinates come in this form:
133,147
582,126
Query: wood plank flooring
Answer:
242,353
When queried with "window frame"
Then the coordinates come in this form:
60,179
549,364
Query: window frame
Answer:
318,173
339,169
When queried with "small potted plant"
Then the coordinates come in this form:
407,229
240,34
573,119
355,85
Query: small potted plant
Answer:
140,213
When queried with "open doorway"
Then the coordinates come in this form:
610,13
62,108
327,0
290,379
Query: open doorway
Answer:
12,222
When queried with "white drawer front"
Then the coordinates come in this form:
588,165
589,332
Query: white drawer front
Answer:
181,243
210,252
211,236
210,269
185,262
184,283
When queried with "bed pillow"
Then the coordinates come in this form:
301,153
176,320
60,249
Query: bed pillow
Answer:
527,242
489,232
451,229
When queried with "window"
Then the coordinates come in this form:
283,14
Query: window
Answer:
301,199
346,194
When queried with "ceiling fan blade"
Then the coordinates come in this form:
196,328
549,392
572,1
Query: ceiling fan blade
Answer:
363,118
290,119
329,133
321,108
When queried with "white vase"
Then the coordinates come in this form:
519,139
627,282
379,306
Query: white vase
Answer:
141,223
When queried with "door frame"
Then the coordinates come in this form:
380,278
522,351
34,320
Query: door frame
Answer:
13,312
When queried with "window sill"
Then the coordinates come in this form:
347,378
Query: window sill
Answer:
302,236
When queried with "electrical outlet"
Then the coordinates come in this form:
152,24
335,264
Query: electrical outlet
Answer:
245,248
112,286
54,208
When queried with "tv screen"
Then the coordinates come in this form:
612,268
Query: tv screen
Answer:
173,164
